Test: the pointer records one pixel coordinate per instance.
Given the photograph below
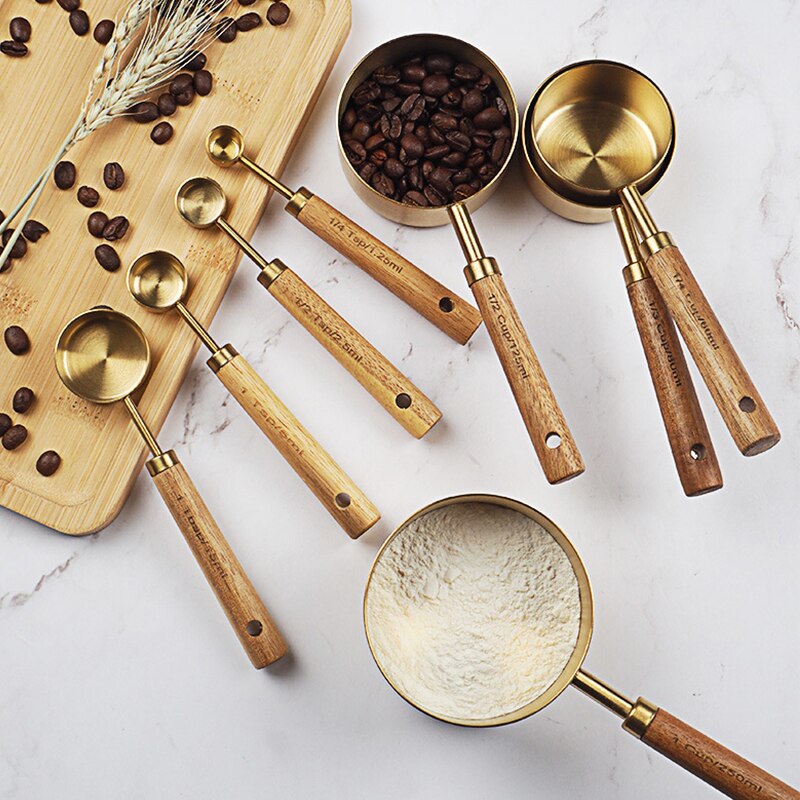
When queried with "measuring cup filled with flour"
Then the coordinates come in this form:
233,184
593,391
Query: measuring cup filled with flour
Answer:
478,611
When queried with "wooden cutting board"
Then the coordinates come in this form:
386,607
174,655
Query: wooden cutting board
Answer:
266,83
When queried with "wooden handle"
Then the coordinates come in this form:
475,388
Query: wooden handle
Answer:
404,401
546,425
249,618
345,502
738,400
445,309
712,762
687,432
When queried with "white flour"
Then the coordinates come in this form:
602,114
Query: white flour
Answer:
473,611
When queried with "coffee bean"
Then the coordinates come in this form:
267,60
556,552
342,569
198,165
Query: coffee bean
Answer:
349,119
166,104
20,29
96,223
394,168
413,72
116,228
203,81
365,93
462,191
415,198
391,103
185,98
13,49
249,21
489,119
16,340
145,111
23,399
246,2
197,61
162,133
361,131
458,141
379,156
89,197
444,122
501,106
473,102
356,152
103,31
79,22
20,246
375,141
440,62
412,145
70,5
435,85
434,196
467,72
42,2
454,158
370,112
14,437
226,30
500,150
383,184
436,152
113,175
278,14
391,126
107,257
33,230
441,179
5,423
367,171
64,175
48,462
181,83
387,75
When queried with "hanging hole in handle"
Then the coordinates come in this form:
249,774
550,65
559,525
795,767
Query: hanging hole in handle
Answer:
254,627
446,304
403,400
342,500
747,404
697,452
552,440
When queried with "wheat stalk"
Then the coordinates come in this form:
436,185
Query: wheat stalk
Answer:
173,30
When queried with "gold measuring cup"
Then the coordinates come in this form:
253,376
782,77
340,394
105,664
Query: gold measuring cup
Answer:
391,625
103,357
551,438
202,203
445,309
597,134
689,439
159,282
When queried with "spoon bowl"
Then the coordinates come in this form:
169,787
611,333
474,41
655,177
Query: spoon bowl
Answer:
158,280
201,202
225,145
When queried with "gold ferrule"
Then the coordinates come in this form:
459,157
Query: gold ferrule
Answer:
141,426
466,233
162,462
297,202
641,715
221,357
268,177
481,268
193,323
603,694
634,272
657,242
270,272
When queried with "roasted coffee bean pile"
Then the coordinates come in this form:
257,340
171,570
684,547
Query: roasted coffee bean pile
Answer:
427,132
32,231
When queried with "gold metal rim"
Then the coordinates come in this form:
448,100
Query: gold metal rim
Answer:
140,265
584,588
193,212
394,210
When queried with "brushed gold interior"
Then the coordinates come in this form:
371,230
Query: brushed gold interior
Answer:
398,50
201,202
102,356
224,145
158,280
573,666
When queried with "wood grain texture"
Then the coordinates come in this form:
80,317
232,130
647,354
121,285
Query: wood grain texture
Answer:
343,500
363,361
713,763
754,431
222,569
438,304
689,439
535,399
266,82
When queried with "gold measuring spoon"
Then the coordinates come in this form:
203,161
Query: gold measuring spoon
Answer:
597,134
158,281
103,357
445,309
544,421
529,573
689,439
202,203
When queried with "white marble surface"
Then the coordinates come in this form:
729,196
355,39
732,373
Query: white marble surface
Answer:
119,676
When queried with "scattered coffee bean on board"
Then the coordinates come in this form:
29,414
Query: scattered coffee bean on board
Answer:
107,257
226,30
23,399
116,228
20,29
246,2
64,175
79,22
13,49
162,133
70,5
33,230
87,196
278,13
113,175
167,104
103,31
5,423
145,112
249,21
14,437
427,132
42,2
16,340
196,61
96,223
48,462
20,246
203,81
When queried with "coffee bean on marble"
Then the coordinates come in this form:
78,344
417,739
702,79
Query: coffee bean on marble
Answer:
5,423
203,81
33,230
103,31
166,104
20,29
16,340
23,399
278,13
88,196
64,175
48,462
226,30
20,246
249,21
14,437
162,133
113,175
96,223
79,22
107,257
145,112
116,228
195,61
